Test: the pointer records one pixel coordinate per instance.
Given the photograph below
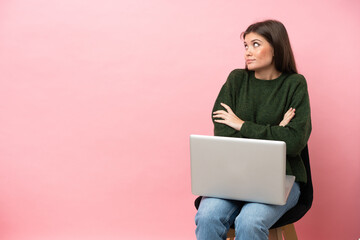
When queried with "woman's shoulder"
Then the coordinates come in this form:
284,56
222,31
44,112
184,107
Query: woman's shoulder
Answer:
239,72
237,75
296,83
296,78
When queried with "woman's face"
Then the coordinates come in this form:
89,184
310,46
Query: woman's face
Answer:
258,53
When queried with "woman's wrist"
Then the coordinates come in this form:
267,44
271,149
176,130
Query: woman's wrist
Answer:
241,124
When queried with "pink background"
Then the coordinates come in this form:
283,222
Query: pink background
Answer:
98,99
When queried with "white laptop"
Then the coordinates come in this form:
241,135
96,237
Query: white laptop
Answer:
240,169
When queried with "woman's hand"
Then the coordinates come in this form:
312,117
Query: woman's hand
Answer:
228,117
287,117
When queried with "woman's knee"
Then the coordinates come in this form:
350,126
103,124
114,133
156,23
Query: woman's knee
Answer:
206,218
215,211
249,225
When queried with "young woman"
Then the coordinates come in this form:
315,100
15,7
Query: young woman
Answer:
266,100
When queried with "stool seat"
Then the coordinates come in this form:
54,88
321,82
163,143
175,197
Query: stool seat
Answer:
288,231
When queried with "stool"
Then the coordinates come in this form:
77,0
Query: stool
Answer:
274,234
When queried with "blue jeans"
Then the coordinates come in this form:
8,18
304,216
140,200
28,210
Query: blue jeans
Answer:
252,220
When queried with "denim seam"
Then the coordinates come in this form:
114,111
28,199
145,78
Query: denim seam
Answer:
226,220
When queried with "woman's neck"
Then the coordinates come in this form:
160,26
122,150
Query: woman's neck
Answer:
268,74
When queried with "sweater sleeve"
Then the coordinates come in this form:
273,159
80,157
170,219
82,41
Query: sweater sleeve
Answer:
227,95
296,133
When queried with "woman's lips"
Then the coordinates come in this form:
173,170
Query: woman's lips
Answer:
250,61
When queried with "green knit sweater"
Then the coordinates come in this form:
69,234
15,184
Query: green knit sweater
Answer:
262,105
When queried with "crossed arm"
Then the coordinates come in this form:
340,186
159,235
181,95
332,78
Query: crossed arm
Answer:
229,118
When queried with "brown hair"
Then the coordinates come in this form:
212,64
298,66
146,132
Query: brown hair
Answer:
275,33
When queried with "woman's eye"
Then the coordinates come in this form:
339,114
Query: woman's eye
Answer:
256,44
246,46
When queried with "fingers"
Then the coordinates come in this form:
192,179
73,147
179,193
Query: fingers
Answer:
287,117
290,113
226,107
220,121
222,113
220,117
291,110
228,117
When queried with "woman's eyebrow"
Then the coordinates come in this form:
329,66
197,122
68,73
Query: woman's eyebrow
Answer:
253,40
256,40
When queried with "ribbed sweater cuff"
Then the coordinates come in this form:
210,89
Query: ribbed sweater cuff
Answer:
245,129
